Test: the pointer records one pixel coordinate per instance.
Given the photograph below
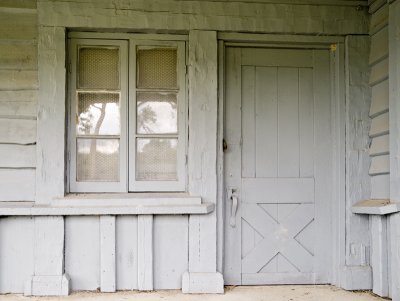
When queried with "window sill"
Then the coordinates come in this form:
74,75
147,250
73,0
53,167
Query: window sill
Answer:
111,204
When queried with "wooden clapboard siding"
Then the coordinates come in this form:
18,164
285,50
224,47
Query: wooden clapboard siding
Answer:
380,98
379,145
17,156
18,99
379,165
379,67
379,45
17,184
379,19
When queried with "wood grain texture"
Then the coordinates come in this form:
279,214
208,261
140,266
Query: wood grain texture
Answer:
82,252
209,15
17,184
126,252
107,254
18,80
17,131
16,253
379,145
379,125
170,251
49,246
379,98
18,56
379,45
18,26
379,72
145,253
17,156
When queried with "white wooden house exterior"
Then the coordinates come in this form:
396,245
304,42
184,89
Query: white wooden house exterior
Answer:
266,158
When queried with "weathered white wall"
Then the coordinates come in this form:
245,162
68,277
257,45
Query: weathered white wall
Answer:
18,105
18,98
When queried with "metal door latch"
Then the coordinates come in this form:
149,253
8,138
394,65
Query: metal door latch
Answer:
233,196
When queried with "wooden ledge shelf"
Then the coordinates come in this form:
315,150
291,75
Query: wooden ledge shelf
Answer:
30,209
376,207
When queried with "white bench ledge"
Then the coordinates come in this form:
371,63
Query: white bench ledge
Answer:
125,199
376,207
30,209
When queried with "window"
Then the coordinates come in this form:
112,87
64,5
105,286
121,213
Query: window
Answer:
127,120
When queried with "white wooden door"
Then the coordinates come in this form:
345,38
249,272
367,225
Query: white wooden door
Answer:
278,166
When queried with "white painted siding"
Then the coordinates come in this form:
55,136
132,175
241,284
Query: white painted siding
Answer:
18,98
379,82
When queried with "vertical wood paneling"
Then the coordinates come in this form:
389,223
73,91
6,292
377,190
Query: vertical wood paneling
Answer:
306,122
266,122
82,252
170,251
145,252
288,122
126,250
248,122
16,253
107,254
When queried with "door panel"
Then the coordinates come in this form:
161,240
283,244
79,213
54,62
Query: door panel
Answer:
278,162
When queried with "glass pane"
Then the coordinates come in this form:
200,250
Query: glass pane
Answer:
156,113
98,114
156,68
97,160
98,68
156,159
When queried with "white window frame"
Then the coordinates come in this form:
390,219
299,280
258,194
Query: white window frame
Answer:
180,184
127,181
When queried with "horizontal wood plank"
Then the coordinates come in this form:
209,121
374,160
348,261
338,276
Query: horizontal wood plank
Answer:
18,26
18,56
278,190
18,3
379,125
379,19
17,184
18,131
379,72
380,187
379,145
379,165
17,156
379,98
18,80
379,45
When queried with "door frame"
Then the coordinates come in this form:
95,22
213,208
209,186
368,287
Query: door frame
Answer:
337,62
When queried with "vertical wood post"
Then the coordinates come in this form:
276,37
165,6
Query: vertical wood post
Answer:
202,276
379,255
107,254
394,130
145,252
49,278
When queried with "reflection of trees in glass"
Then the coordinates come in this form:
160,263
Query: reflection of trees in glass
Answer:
157,159
148,111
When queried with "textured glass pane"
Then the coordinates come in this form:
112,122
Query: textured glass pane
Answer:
156,159
156,68
98,68
156,113
97,160
98,114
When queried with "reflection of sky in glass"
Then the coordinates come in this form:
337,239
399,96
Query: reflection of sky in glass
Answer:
98,114
105,146
166,143
156,113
